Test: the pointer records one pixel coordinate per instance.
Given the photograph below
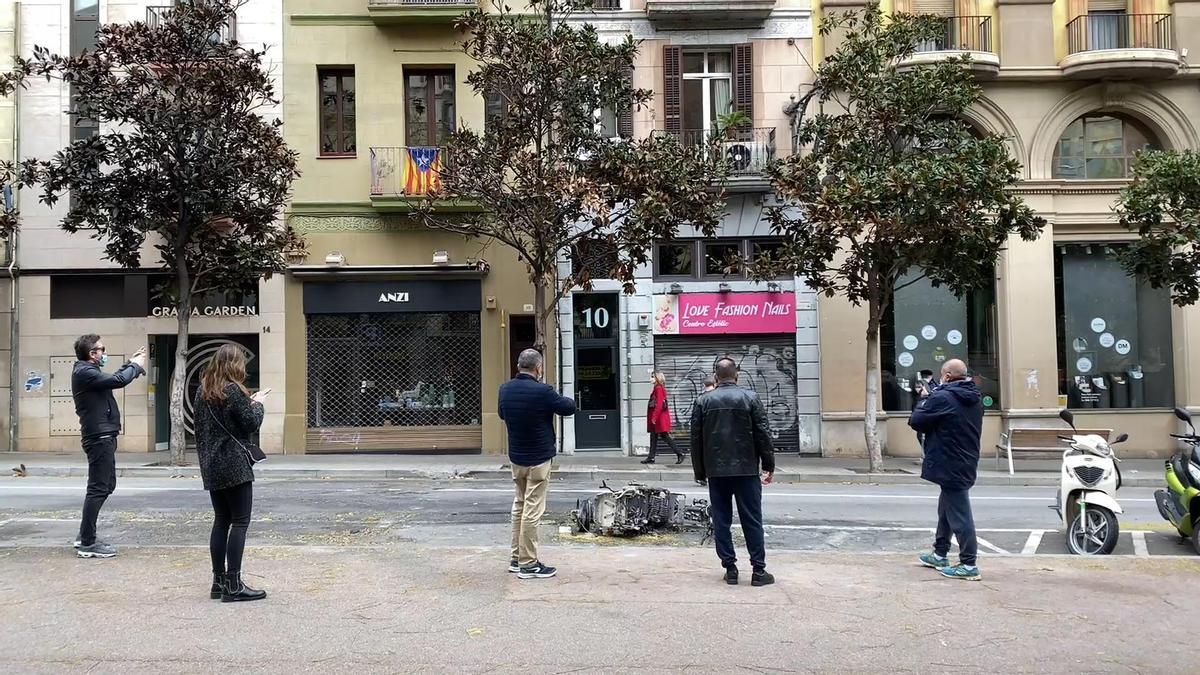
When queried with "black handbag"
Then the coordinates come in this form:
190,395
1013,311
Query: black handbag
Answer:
254,454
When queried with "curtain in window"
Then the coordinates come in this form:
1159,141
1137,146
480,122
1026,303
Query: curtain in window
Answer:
722,99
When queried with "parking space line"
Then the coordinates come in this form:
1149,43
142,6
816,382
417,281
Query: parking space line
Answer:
990,546
1032,543
1139,543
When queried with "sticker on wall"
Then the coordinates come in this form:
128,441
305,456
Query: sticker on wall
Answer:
35,381
928,332
904,359
1107,340
1098,325
911,342
939,354
954,337
1084,365
1123,347
988,401
1079,345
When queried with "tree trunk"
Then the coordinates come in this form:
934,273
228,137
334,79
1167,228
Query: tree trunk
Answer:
178,442
870,418
541,314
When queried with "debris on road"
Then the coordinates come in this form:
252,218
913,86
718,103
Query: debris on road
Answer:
639,509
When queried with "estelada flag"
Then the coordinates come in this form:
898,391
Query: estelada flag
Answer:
422,171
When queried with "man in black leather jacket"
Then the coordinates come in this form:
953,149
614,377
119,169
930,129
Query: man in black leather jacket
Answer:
99,423
731,443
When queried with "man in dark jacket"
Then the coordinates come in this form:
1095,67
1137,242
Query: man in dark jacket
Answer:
951,418
730,442
99,425
528,407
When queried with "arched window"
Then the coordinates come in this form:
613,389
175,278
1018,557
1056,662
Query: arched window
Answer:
1100,146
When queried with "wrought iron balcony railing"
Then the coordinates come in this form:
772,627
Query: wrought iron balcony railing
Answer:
962,33
406,171
156,15
1094,32
748,151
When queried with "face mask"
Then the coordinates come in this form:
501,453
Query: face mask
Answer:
103,360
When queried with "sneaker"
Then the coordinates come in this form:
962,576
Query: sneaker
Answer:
536,571
960,571
514,566
96,550
731,575
934,560
762,578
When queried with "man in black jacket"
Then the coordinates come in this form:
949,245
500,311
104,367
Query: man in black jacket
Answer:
730,442
951,418
100,424
528,406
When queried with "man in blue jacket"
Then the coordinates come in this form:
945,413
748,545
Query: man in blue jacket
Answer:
528,407
951,418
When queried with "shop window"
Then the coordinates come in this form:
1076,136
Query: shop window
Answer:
1100,146
720,258
1114,333
923,327
337,112
98,296
429,106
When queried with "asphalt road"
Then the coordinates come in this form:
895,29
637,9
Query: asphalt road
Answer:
43,512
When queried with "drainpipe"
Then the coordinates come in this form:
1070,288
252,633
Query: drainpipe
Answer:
627,338
14,369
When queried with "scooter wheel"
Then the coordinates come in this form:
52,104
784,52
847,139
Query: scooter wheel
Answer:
1094,531
1196,537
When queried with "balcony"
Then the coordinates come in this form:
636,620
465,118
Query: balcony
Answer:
606,5
402,174
156,15
962,36
747,152
708,14
415,12
1120,46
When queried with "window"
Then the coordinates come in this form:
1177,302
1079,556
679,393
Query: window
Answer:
429,107
99,296
85,21
337,112
1100,146
495,107
707,88
676,260
923,327
1114,333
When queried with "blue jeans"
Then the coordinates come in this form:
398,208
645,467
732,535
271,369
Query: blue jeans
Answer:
747,492
954,517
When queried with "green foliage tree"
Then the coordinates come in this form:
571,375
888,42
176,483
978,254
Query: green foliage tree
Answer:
185,174
1163,205
891,181
543,175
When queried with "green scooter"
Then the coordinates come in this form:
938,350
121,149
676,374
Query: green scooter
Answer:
1180,502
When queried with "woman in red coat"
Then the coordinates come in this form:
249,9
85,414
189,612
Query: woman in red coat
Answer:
658,419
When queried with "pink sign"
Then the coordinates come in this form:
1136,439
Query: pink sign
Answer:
717,313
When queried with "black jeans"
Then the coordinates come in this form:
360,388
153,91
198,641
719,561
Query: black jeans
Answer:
954,516
102,480
747,492
655,437
231,518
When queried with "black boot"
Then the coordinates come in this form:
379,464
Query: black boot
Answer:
235,591
218,580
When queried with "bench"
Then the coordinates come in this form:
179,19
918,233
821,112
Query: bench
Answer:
1038,440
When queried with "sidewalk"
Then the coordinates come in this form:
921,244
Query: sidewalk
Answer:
588,468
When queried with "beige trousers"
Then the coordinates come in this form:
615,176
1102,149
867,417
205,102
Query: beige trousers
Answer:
529,504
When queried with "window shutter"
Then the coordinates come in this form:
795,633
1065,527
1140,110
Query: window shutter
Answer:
743,79
673,88
625,117
938,7
1106,5
904,6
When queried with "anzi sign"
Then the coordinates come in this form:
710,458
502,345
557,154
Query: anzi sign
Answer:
207,311
393,297
718,313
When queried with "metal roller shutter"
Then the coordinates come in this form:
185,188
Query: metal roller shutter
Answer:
768,365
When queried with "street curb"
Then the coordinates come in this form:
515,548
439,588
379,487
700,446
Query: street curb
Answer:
561,475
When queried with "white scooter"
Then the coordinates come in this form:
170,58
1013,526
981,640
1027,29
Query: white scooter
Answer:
1086,500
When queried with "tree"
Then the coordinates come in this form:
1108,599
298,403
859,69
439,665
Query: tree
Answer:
185,169
892,182
1163,205
543,177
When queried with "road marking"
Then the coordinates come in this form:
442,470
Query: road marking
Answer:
990,546
81,488
1139,543
1032,543
797,495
